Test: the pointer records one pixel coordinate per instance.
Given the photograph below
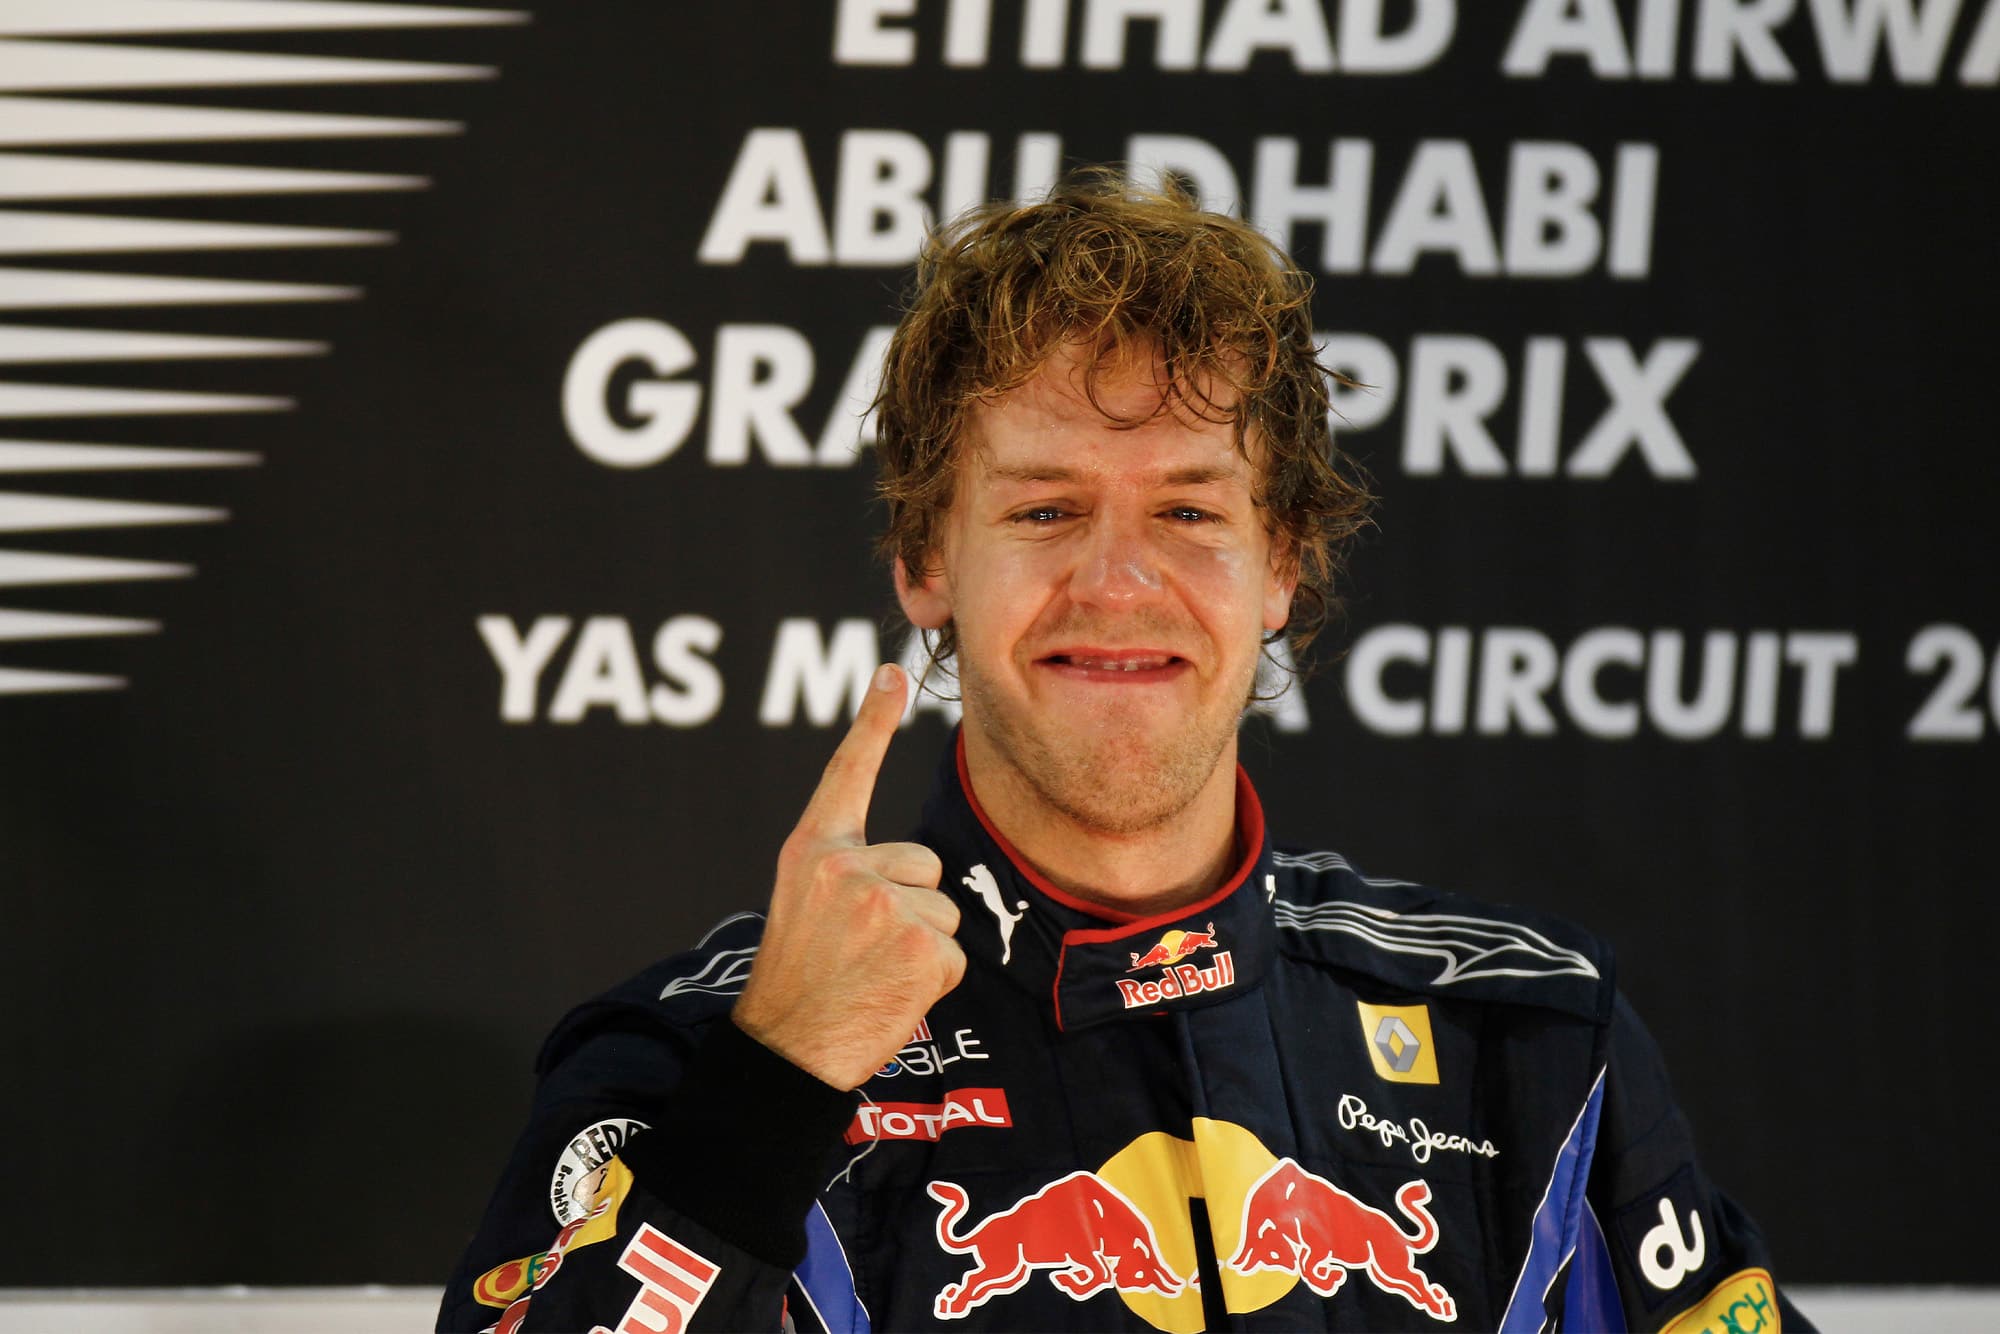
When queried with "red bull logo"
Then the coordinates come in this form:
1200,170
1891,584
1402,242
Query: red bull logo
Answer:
672,1282
1173,947
1303,1224
1080,1227
1126,1229
1181,979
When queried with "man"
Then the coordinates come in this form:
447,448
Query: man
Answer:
1120,1062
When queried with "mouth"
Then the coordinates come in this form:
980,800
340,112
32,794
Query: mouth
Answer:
1134,666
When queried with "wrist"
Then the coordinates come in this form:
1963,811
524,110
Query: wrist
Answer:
743,1144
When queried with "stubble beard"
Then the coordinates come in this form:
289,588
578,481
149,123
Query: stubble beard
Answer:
1117,777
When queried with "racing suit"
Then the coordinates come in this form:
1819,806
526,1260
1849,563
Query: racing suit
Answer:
1310,1101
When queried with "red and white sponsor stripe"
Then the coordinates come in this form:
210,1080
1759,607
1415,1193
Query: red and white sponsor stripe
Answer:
672,1282
928,1120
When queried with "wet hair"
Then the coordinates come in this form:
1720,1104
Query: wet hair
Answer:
1119,271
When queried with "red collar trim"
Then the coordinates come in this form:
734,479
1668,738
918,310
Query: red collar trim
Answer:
1249,843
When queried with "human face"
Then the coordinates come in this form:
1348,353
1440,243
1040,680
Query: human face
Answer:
1110,587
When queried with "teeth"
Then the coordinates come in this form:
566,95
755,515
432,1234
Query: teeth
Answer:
1126,665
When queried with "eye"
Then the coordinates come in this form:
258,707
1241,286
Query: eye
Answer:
1189,514
1040,514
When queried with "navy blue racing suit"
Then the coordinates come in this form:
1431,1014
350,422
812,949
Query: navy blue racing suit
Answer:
1312,1100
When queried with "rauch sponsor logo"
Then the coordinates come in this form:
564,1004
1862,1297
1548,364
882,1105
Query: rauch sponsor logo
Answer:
579,1169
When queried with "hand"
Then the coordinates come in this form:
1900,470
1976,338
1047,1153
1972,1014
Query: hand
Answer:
858,944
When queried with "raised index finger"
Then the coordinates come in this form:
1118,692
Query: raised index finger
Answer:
839,805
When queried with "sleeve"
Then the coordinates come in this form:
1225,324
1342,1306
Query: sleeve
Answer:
656,1179
1661,1247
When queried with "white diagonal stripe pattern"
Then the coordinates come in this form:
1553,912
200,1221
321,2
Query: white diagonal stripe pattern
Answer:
16,681
27,512
55,289
71,400
41,67
32,65
48,176
19,456
1466,947
59,121
66,625
1332,861
723,974
125,18
40,569
28,345
26,233
1313,861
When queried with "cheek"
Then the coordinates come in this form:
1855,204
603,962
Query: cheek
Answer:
1223,565
1004,589
1226,582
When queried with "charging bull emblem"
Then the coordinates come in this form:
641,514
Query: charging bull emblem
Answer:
1173,947
1080,1227
1293,1220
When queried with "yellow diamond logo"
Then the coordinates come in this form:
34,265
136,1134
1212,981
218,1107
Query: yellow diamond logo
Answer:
1399,1042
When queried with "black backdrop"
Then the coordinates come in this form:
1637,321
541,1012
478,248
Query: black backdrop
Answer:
297,871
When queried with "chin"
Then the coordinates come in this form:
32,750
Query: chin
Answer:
1123,780
1119,766
1138,809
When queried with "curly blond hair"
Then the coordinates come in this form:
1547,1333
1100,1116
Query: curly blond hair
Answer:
1119,270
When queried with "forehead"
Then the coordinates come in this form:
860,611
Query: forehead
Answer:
1115,415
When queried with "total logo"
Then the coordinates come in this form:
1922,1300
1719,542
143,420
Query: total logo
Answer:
1177,978
1127,1228
925,1054
928,1120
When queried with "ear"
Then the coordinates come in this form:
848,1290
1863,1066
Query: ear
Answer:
926,598
1280,582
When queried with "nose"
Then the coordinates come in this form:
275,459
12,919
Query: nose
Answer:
1117,565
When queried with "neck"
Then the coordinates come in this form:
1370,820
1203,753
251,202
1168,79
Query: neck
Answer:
1177,862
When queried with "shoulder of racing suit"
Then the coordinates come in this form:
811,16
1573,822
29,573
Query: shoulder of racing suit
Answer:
1659,1245
672,999
625,1084
1416,938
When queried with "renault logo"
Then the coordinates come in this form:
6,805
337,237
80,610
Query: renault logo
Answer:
1399,1042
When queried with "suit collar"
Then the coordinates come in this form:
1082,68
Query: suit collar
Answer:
1089,964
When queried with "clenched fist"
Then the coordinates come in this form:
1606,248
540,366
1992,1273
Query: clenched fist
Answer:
858,944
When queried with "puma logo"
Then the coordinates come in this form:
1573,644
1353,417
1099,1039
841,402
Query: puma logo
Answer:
980,881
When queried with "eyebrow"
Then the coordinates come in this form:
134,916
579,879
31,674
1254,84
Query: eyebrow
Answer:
1199,475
